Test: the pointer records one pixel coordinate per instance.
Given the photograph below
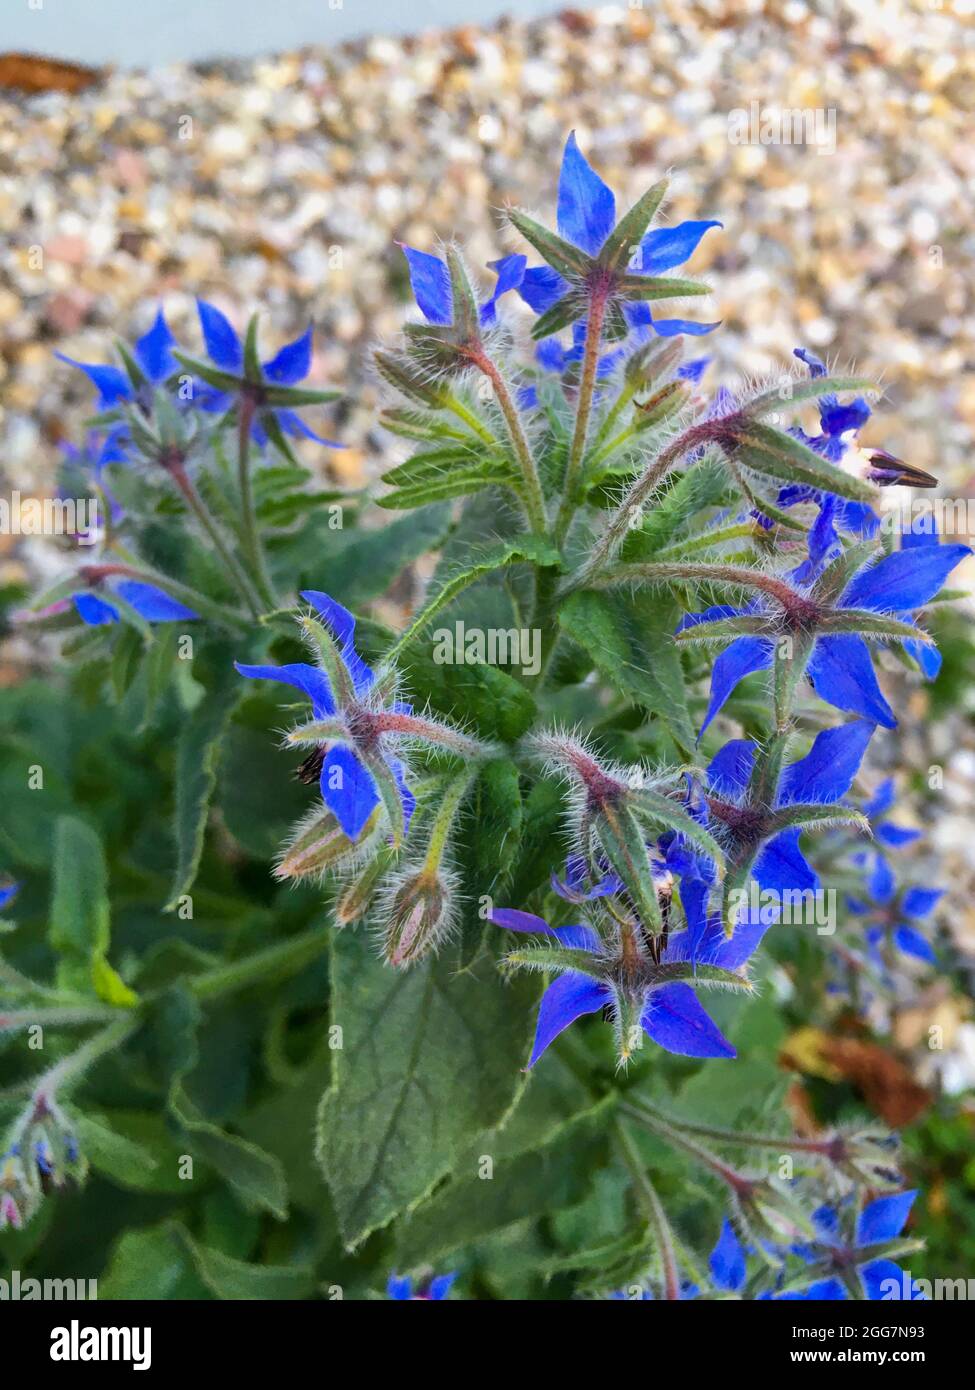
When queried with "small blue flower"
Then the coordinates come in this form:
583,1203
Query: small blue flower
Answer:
841,1260
289,366
149,602
669,1014
889,915
153,356
821,778
586,216
839,665
433,1290
349,789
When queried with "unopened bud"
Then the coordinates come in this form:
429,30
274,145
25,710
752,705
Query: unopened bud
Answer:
320,844
419,915
353,902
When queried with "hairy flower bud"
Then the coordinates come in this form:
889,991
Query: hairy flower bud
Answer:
418,913
319,844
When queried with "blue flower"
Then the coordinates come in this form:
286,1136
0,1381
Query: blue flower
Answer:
153,358
650,997
349,758
267,387
819,780
586,219
149,602
829,633
433,1290
861,1263
889,914
8,891
430,281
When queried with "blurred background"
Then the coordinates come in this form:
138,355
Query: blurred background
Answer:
272,156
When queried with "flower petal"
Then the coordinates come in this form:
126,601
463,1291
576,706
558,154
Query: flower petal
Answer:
292,363
884,1218
510,272
921,902
884,1281
827,771
430,281
842,674
675,1019
111,383
730,769
667,247
781,868
565,1000
348,790
341,624
304,677
153,352
905,580
220,337
439,1286
152,604
586,205
912,943
745,656
513,919
727,1260
95,611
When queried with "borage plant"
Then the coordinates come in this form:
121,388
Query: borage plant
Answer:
540,809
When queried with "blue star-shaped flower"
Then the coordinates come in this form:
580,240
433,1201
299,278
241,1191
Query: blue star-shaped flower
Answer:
153,356
839,663
861,1259
348,786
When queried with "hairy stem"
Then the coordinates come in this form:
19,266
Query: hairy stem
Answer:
249,533
587,386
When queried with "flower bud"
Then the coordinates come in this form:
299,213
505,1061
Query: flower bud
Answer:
419,914
319,843
353,902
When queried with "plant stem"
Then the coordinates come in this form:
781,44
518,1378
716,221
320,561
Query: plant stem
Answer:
730,1136
453,795
263,967
249,533
587,386
458,408
620,522
73,1066
198,507
656,1215
534,497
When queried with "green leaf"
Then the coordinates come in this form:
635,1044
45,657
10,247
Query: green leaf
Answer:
197,751
568,309
778,455
556,1175
625,238
229,1278
705,485
494,704
492,828
428,1058
145,1264
355,565
567,259
255,1175
792,392
432,465
480,561
630,639
460,482
123,1160
79,929
644,287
